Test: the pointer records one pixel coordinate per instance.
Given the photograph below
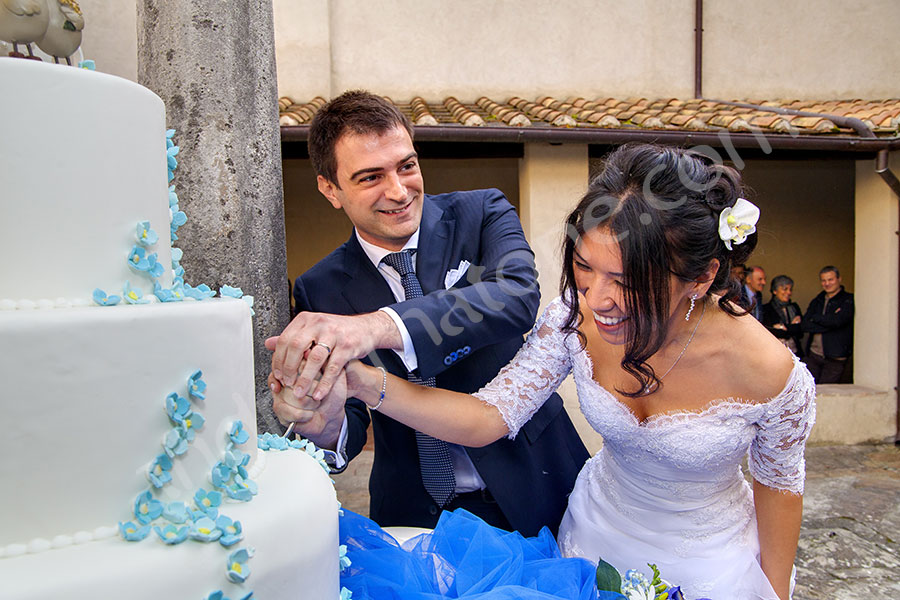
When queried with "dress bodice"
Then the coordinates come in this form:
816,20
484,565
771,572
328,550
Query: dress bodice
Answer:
672,483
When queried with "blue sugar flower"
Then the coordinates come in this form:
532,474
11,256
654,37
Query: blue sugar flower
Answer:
173,294
87,64
297,444
220,475
146,237
176,512
343,561
147,508
156,269
201,292
133,532
237,433
176,220
170,133
177,408
171,153
177,254
207,501
133,295
175,442
276,442
238,569
192,422
231,292
241,487
205,530
232,532
173,197
102,299
171,534
178,272
249,301
217,595
196,386
137,259
160,471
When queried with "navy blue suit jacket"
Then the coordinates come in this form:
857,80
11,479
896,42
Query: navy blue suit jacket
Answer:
462,336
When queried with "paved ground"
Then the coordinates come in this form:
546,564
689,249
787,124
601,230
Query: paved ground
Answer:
850,540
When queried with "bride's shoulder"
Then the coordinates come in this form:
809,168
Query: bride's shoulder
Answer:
756,358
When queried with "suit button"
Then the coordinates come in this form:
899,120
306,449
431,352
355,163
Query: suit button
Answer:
433,509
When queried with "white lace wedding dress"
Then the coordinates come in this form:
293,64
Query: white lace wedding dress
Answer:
668,490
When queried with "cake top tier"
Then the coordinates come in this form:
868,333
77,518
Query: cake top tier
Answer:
82,161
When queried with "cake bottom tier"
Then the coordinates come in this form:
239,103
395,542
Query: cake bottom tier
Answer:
292,524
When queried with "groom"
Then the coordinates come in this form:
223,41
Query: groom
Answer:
438,289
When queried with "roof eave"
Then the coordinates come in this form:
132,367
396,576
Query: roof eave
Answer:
604,136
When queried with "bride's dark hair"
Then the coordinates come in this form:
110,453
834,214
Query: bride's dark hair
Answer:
662,204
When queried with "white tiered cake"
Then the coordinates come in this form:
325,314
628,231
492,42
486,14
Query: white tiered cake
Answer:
83,388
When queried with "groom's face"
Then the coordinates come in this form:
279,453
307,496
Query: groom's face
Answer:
379,185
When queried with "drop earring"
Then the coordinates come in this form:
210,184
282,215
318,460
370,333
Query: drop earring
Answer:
687,317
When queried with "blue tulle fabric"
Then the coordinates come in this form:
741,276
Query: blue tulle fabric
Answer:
463,557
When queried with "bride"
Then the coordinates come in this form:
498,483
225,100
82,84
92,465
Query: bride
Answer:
681,383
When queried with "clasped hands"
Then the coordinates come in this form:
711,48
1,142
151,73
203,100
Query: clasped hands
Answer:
308,378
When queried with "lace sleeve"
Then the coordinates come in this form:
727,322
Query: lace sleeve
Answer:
777,452
522,386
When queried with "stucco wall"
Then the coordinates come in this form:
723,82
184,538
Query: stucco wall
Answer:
753,50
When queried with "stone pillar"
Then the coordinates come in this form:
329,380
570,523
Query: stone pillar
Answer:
213,64
552,178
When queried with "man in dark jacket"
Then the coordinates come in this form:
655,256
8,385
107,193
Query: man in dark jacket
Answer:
829,321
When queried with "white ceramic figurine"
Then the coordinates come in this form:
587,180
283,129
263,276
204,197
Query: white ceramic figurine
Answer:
64,32
23,22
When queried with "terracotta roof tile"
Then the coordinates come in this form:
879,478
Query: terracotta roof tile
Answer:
636,113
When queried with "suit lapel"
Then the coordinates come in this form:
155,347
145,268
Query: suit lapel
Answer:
366,290
436,236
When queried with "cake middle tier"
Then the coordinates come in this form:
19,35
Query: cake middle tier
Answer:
83,400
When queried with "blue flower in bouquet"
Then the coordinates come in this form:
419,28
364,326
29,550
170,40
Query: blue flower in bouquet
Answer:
232,532
146,237
175,442
237,434
636,586
176,512
101,298
160,471
205,530
133,295
231,292
133,532
171,534
196,385
147,508
208,502
238,569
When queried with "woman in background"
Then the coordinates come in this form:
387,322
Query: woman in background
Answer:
782,317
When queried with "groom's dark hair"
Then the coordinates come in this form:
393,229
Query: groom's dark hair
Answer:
356,111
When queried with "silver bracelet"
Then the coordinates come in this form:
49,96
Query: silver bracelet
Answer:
383,389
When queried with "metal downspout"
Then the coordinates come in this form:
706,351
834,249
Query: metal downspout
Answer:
698,49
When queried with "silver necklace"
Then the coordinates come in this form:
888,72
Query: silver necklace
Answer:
649,387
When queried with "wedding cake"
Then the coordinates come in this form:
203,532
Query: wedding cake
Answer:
130,464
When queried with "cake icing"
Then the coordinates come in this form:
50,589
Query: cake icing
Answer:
129,396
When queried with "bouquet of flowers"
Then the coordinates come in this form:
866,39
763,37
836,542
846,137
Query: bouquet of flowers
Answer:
635,585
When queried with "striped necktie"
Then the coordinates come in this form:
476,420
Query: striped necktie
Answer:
434,454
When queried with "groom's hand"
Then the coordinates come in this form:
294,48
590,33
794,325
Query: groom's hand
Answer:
326,342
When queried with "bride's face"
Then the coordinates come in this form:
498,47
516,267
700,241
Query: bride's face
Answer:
599,277
600,280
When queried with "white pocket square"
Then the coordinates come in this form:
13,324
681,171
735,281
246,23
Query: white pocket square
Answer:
454,275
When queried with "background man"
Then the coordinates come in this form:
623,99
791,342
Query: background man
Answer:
453,308
829,320
754,284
